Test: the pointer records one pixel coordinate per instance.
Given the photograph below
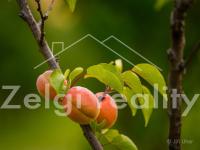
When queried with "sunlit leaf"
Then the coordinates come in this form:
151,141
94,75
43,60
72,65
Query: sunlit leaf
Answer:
119,65
111,68
57,81
66,74
152,75
72,4
133,81
147,111
97,127
107,74
128,93
160,4
136,87
112,140
75,73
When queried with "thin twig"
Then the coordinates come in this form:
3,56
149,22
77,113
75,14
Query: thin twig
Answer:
27,16
46,14
43,19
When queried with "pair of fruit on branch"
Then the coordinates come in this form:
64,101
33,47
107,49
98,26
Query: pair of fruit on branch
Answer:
85,106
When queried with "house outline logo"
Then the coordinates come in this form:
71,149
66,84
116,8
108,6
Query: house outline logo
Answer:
101,43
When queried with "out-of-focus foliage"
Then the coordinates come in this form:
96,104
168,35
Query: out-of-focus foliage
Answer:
134,22
72,4
160,4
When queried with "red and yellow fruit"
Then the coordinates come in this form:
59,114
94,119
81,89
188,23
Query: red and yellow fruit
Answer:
108,110
81,105
43,82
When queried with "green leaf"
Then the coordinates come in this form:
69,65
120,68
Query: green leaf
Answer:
107,74
128,93
72,4
152,75
136,87
66,74
107,137
119,65
124,143
57,81
112,140
160,4
133,81
97,127
147,112
75,73
111,68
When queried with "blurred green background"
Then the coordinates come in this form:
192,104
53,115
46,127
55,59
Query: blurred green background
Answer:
135,22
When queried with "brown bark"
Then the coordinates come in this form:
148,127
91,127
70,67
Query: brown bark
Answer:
176,70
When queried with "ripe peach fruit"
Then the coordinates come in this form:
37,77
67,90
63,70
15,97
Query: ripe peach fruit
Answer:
81,105
42,81
108,110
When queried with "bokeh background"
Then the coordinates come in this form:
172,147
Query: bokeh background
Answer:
140,24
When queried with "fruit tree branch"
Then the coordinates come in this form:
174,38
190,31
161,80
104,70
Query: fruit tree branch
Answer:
88,133
27,16
43,19
176,71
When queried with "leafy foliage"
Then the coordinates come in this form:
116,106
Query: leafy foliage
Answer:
57,81
97,127
119,65
128,93
127,83
160,4
152,75
136,87
66,73
75,73
112,139
133,81
72,4
107,74
148,109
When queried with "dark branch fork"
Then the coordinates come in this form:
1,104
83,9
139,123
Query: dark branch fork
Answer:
43,19
27,16
38,33
176,69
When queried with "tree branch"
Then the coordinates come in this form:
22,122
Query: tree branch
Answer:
175,72
27,16
43,19
87,131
